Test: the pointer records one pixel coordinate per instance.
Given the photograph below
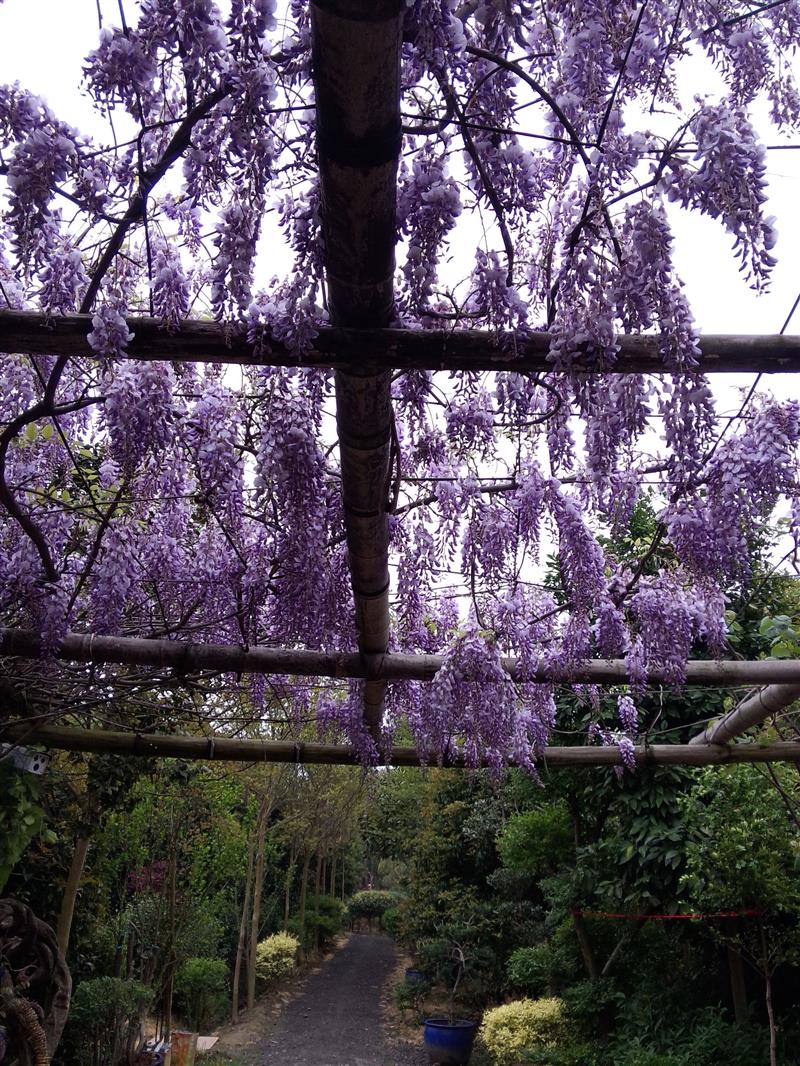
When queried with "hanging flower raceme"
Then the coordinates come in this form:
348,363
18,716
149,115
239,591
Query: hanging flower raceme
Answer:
115,579
120,71
63,278
728,182
342,717
291,484
666,631
472,707
713,531
169,286
428,204
212,428
437,33
36,167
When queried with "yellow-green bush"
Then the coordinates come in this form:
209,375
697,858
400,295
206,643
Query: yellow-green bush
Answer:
275,956
523,1025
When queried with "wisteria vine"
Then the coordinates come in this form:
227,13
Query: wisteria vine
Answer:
201,503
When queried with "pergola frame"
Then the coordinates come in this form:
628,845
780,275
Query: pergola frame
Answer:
356,64
336,347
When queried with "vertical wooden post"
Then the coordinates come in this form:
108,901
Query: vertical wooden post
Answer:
356,62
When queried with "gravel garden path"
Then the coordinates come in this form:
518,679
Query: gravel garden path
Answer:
336,1018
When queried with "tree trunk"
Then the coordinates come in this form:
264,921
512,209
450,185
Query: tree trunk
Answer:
585,944
344,870
317,884
287,895
130,959
71,893
301,921
169,977
738,987
773,1032
237,969
258,885
318,879
333,875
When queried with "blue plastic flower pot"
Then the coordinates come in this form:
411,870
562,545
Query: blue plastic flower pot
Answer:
449,1043
415,977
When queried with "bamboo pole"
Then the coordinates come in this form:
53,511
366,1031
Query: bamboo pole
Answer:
206,341
185,657
356,65
228,749
750,712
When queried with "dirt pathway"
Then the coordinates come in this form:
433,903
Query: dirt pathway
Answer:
336,1018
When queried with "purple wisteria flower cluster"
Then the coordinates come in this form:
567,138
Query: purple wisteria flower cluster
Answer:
536,194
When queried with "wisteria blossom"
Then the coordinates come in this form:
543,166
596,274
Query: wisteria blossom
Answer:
544,160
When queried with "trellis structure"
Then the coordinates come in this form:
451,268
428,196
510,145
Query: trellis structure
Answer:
356,63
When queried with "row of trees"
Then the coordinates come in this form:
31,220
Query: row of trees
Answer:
163,878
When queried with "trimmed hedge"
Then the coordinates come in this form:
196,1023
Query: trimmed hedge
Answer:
372,903
275,956
507,1032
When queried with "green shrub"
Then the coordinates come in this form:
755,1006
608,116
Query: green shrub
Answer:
104,1019
528,970
201,986
410,995
546,968
275,956
568,1055
704,1038
508,1031
330,906
390,921
593,1005
372,903
322,922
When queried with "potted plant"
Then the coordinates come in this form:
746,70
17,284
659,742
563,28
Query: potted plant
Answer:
449,1039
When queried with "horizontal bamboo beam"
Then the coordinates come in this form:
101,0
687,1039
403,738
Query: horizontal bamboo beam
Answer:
750,712
228,749
186,657
203,341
